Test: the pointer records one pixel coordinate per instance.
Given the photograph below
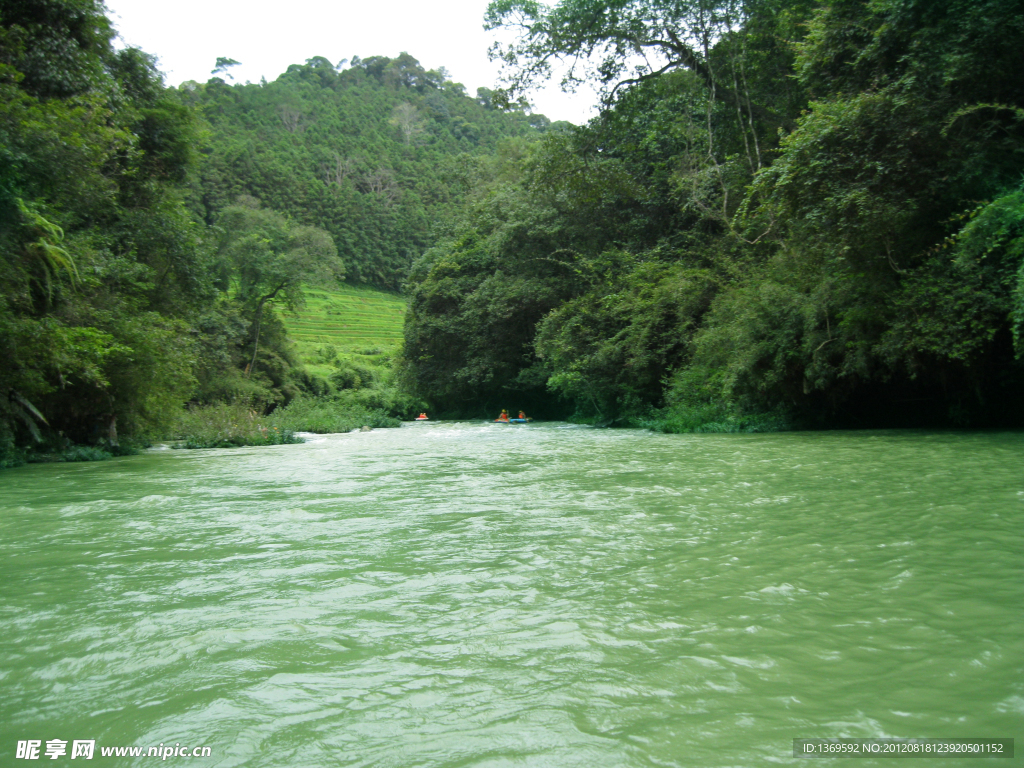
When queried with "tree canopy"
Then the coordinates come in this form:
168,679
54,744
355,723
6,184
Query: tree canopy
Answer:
147,232
373,151
787,212
794,211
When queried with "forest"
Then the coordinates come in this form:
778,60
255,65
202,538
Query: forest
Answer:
152,235
789,214
373,151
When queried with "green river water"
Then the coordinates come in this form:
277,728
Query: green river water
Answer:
456,594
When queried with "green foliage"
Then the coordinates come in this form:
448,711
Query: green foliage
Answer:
228,425
681,420
74,453
535,236
989,249
730,275
267,258
350,375
374,154
58,449
389,399
581,268
327,415
10,454
612,347
43,249
102,264
611,44
270,256
805,213
917,120
58,46
699,400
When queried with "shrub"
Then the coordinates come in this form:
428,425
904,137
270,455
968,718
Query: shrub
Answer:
227,425
328,353
324,415
10,454
353,376
700,401
689,421
84,453
79,453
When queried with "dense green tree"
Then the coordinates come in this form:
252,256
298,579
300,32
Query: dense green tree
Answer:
920,118
618,43
59,48
544,229
269,259
816,211
100,263
373,153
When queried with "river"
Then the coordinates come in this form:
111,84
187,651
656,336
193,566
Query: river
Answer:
457,594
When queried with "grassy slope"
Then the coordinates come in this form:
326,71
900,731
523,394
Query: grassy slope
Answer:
352,319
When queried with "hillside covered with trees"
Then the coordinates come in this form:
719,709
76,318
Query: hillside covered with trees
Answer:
789,213
150,236
374,151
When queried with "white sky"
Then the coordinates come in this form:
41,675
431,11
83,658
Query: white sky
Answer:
266,37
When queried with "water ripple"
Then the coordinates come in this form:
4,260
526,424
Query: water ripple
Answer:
471,595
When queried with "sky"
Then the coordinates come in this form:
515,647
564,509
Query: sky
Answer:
187,36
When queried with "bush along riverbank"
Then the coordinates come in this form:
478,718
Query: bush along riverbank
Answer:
696,404
229,425
693,404
324,415
50,452
690,420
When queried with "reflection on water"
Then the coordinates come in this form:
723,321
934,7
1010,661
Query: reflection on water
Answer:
545,595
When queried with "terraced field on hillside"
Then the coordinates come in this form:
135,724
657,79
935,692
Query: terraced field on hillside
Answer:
349,318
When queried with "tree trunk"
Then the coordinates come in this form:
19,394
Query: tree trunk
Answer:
259,314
